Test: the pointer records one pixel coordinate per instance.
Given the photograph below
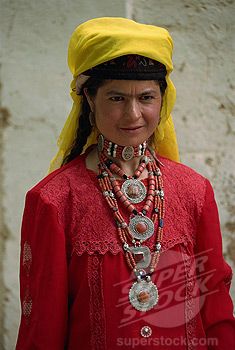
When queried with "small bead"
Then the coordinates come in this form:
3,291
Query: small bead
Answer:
135,212
158,247
125,246
138,278
156,210
142,273
108,163
118,223
161,223
144,212
148,278
157,172
144,159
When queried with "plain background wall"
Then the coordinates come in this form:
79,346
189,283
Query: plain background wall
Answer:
34,102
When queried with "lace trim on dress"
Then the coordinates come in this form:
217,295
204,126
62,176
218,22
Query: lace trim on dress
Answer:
114,247
97,310
27,302
101,247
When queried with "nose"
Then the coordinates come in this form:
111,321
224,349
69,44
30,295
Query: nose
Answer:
132,110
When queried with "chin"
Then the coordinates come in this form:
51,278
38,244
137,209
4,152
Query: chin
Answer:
129,142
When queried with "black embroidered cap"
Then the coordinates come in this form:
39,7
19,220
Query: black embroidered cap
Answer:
129,67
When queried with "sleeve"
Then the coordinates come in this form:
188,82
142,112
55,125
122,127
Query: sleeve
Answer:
43,278
217,306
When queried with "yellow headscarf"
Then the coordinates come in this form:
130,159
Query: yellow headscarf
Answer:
102,39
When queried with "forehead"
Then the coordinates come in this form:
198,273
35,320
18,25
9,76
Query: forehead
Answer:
127,85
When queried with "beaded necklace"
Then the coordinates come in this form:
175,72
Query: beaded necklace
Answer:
112,149
143,294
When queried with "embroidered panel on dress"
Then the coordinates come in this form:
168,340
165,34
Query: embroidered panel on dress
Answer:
192,308
93,227
27,302
97,310
82,212
184,199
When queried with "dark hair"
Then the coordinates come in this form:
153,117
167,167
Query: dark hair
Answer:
84,128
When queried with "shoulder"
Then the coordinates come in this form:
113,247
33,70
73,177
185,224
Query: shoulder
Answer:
178,172
184,185
57,185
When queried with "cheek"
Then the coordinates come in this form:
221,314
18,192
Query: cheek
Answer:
106,114
153,113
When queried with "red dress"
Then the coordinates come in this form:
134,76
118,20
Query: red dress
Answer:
75,280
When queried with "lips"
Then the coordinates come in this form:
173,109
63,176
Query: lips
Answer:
132,128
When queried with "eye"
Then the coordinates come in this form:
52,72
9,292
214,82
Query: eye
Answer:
147,97
116,98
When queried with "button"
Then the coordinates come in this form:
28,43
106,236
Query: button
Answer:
146,331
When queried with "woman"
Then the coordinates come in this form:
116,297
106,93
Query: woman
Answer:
121,246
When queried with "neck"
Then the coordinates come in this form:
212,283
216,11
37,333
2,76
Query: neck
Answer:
130,166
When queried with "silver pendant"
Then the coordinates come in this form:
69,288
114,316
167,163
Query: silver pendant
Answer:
134,190
143,295
128,152
146,256
141,227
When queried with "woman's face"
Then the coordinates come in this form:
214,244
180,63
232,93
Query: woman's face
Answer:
127,111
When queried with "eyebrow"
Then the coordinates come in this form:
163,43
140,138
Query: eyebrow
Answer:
116,92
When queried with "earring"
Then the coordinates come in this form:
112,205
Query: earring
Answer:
92,118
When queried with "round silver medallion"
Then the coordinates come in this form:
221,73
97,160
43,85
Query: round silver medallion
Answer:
134,190
143,295
141,227
128,153
100,144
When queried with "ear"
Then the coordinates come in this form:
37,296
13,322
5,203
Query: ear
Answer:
89,100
